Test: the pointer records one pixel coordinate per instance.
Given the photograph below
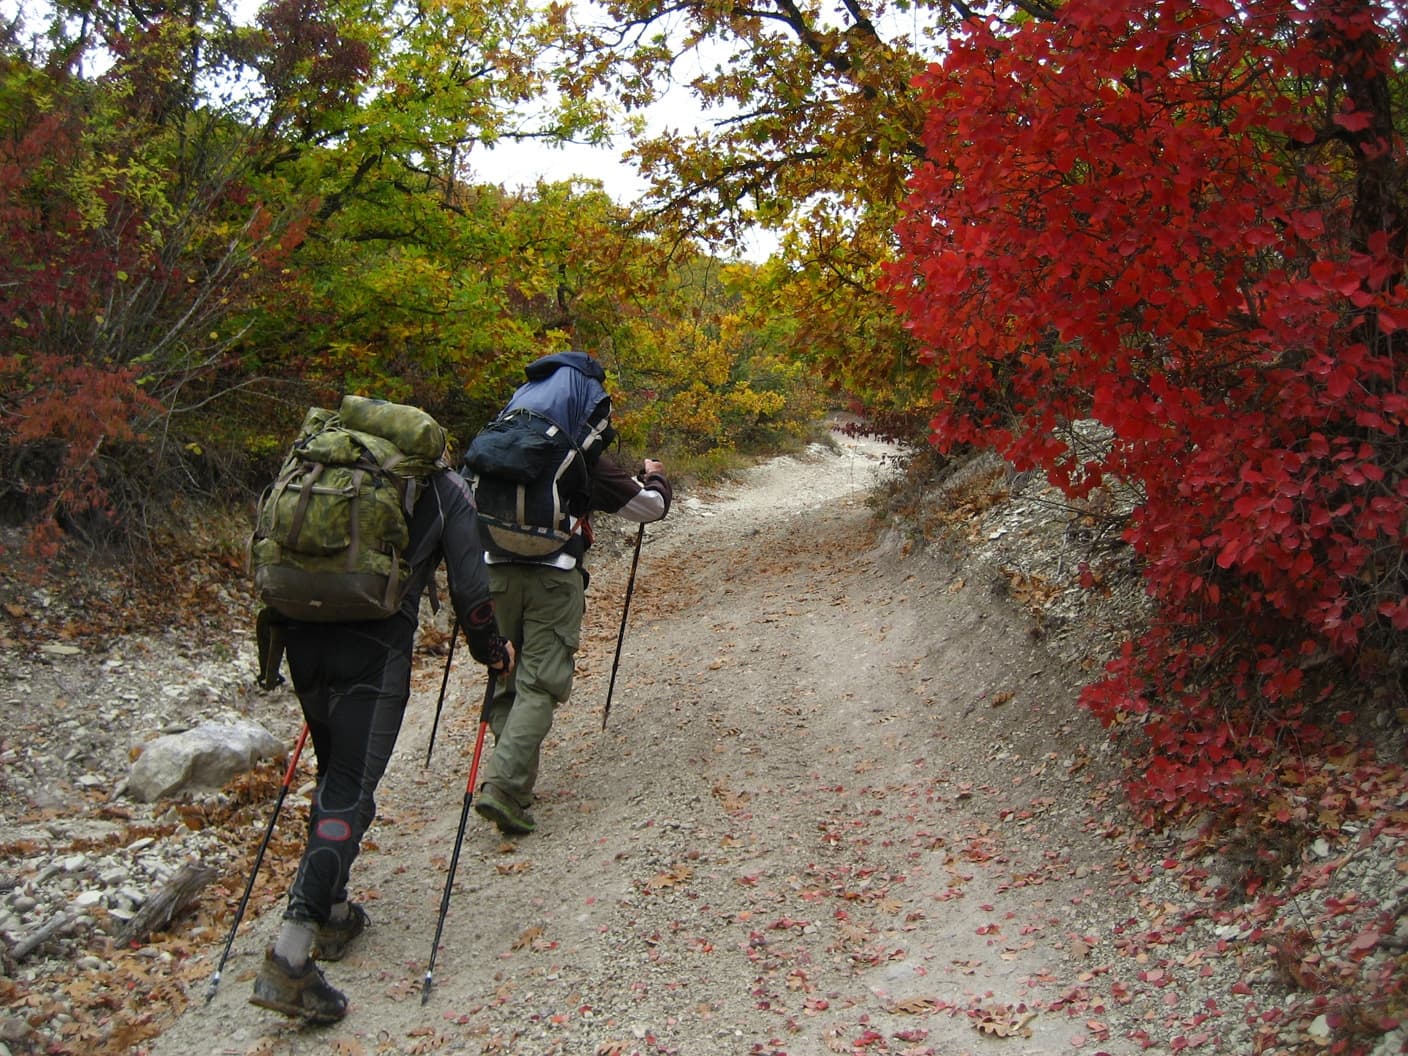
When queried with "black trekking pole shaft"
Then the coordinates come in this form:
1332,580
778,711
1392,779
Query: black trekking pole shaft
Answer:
459,837
258,858
444,681
621,635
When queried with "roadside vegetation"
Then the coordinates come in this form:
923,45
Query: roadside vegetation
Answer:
1153,252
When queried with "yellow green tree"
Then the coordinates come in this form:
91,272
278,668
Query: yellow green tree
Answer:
811,127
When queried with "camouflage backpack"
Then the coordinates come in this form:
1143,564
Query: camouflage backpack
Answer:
330,539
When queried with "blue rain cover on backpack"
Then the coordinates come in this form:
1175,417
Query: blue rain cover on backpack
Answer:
530,467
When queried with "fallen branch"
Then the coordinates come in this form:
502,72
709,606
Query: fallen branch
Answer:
40,936
180,891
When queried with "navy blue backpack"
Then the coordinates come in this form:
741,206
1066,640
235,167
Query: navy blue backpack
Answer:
531,467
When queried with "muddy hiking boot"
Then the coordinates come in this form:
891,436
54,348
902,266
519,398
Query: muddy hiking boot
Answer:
297,992
331,940
504,812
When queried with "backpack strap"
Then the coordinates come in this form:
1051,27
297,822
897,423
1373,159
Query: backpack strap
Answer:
305,495
354,525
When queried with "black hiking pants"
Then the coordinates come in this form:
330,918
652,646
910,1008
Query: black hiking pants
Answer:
353,681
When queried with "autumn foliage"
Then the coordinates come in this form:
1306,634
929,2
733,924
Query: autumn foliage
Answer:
1164,243
194,257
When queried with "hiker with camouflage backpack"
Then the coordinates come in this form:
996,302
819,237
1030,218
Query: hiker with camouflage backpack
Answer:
353,680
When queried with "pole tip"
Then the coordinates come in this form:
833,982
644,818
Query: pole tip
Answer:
425,990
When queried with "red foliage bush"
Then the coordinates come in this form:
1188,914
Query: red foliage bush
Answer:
1185,221
56,271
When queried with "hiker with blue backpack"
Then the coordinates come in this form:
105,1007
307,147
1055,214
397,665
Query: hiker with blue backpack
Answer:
348,539
538,473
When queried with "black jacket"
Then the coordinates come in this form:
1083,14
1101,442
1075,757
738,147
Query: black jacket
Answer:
444,525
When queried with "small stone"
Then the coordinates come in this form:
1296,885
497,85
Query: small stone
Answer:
89,898
131,896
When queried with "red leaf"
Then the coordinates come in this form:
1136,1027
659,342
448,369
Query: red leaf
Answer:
1354,120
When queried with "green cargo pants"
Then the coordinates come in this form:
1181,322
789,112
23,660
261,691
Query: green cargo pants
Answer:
539,609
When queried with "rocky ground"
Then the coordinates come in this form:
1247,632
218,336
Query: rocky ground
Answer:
845,803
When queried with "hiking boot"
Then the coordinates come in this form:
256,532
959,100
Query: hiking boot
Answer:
304,993
504,812
331,940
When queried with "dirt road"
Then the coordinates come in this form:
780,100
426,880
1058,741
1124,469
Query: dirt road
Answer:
844,804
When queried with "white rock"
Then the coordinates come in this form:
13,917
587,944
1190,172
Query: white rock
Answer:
204,757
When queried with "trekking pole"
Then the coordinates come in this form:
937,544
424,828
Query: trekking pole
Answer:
621,635
258,857
444,681
459,837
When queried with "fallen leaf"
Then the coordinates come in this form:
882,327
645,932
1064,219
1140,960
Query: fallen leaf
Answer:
1004,1023
915,1006
528,937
